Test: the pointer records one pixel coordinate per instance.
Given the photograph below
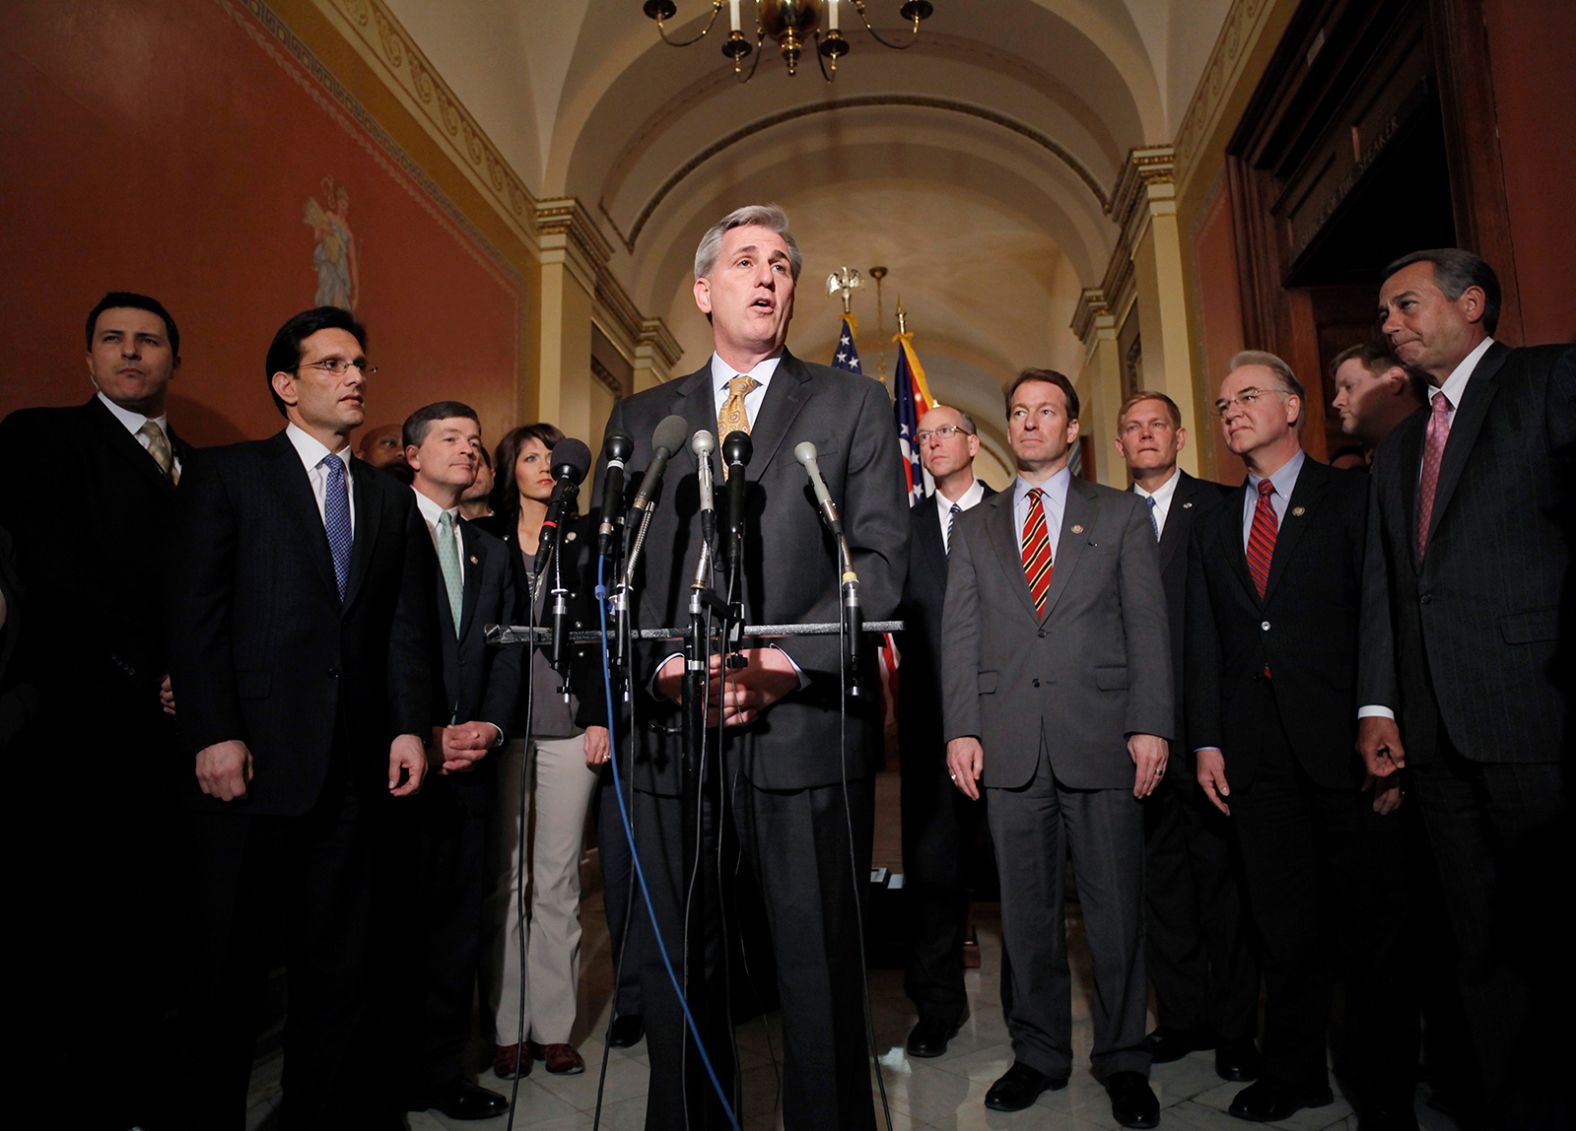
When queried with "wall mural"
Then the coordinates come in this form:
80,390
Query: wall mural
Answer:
334,252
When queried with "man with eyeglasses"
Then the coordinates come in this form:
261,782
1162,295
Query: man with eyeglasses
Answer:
1057,702
1274,588
302,608
940,827
1200,963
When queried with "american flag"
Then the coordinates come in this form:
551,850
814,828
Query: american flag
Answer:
906,402
847,357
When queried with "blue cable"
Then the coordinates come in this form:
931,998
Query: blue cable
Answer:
634,855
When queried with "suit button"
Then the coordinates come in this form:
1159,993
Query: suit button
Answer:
1041,634
1035,683
1265,625
334,672
1427,598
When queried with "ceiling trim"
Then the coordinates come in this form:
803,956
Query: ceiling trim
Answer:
915,101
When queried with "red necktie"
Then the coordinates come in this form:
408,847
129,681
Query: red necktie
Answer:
1433,453
1037,566
1261,539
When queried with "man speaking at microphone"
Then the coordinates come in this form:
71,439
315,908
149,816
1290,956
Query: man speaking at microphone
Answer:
780,710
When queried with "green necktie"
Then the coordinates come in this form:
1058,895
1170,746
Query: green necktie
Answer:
449,563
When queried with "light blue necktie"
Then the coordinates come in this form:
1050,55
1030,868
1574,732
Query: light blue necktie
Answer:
449,563
1153,521
336,519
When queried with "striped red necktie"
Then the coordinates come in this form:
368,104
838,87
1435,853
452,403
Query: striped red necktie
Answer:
1037,568
1261,539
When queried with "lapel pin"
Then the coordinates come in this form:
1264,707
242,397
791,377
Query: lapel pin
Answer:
474,561
1078,528
1187,506
569,536
1298,512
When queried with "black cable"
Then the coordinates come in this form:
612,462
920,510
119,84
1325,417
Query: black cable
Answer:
527,722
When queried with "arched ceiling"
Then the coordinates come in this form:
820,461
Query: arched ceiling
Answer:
976,166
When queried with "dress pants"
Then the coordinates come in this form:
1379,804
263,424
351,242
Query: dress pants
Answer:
1501,838
1327,884
940,831
1033,828
307,882
540,1003
797,843
1197,949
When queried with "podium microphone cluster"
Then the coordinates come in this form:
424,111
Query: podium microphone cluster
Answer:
616,450
805,454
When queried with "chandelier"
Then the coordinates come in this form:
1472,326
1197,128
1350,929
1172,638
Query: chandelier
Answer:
791,23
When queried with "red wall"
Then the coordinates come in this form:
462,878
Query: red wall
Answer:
171,148
1532,45
1219,319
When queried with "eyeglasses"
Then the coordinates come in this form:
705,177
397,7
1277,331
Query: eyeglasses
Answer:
335,366
945,432
1245,399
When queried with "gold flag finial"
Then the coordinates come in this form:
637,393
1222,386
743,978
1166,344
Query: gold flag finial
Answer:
843,281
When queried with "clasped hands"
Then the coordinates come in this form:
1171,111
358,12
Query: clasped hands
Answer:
738,696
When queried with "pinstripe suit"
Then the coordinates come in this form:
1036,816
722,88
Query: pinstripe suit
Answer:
1471,647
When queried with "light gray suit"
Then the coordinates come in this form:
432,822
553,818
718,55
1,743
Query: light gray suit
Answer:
1052,700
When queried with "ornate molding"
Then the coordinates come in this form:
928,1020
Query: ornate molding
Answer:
605,377
1243,27
377,36
1087,314
658,350
566,217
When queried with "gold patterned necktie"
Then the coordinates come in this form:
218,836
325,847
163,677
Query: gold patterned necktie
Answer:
733,418
159,449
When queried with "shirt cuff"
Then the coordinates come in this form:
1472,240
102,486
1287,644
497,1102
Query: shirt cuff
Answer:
1375,711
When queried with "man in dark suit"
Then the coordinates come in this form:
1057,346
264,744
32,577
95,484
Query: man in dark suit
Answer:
1374,392
112,466
1274,581
1200,961
481,687
940,827
798,788
1056,682
301,602
1467,630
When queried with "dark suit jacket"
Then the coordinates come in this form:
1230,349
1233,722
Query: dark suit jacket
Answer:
479,683
261,648
1085,675
90,512
924,594
791,574
1472,635
1305,629
1193,498
20,697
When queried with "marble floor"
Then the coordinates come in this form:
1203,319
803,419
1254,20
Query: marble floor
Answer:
946,1092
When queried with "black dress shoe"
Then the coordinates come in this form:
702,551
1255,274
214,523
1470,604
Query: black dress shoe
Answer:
1166,1045
1020,1086
1238,1060
1269,1102
929,1037
626,1031
1133,1102
464,1100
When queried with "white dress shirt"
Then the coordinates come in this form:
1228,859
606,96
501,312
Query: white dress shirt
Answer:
722,373
133,422
967,501
1162,496
311,453
431,514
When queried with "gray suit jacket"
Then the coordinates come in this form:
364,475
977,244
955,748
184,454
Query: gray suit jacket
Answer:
1093,670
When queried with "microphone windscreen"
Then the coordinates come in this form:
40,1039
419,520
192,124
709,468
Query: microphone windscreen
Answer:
571,457
670,434
618,447
804,452
737,448
703,443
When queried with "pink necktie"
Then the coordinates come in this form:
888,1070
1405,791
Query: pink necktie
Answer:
1433,454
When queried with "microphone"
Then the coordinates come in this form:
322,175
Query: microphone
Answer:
665,440
616,450
571,459
737,449
805,454
702,444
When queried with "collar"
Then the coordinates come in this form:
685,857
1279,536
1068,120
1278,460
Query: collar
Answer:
1163,494
1055,488
722,373
1285,479
1455,385
133,421
310,451
966,501
432,512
